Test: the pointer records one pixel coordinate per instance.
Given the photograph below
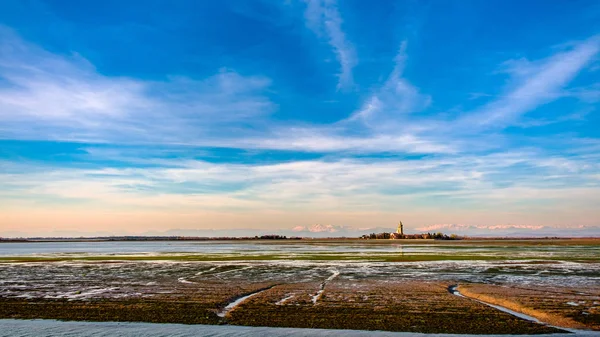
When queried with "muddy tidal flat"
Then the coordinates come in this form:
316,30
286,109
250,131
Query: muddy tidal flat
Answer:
389,285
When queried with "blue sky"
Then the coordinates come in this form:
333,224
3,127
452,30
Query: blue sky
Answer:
129,117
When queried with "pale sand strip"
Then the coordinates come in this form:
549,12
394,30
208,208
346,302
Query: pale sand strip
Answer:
544,317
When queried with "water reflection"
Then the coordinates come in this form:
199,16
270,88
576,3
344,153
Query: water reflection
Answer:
36,328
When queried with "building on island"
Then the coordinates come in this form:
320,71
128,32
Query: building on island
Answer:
399,232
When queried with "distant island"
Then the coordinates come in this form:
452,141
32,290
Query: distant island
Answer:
397,235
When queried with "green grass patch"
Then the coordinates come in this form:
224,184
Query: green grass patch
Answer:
287,257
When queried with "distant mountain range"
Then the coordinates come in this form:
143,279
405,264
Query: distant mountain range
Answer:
512,230
316,231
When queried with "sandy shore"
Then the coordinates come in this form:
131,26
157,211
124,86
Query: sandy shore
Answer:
577,308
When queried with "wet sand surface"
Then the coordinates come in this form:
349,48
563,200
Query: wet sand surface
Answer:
325,294
413,306
565,306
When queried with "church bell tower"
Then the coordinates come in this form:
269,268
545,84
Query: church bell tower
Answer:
400,229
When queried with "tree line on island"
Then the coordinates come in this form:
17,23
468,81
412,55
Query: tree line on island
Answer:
398,236
434,236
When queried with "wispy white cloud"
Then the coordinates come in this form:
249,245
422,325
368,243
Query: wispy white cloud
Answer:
382,125
54,97
319,228
49,96
508,180
390,105
463,227
58,97
335,139
323,17
338,192
534,84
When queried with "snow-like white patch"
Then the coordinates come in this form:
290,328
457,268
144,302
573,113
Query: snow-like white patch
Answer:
231,271
128,295
86,294
316,296
237,302
183,280
573,304
25,296
334,275
285,299
319,293
205,271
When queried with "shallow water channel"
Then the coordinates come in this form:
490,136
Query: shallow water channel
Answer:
35,328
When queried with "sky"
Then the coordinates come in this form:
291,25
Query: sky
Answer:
131,117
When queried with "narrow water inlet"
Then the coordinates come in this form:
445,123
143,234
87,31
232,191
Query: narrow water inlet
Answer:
453,289
316,297
285,299
239,301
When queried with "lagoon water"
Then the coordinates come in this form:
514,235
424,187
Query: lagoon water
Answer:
477,248
577,265
38,328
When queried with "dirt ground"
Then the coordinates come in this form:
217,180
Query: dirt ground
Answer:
415,306
377,305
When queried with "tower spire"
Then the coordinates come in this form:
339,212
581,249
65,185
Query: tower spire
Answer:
400,229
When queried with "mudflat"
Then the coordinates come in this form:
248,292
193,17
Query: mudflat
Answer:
360,285
366,305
